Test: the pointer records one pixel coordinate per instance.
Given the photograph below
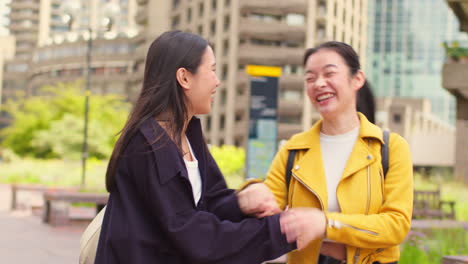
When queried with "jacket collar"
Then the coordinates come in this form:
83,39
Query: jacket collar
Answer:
311,137
169,160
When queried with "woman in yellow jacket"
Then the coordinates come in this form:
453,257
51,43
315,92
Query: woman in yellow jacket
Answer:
338,193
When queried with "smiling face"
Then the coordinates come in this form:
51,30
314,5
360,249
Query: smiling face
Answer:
200,87
330,86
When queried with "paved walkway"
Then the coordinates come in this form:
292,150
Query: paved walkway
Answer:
24,239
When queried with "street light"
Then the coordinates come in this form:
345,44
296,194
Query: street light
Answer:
71,10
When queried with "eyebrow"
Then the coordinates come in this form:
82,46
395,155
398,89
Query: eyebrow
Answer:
324,67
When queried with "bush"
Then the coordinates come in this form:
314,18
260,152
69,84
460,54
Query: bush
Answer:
230,159
432,245
51,125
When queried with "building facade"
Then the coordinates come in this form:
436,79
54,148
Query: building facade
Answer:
455,80
258,32
414,119
50,49
405,52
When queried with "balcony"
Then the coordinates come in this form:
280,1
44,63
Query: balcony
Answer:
289,108
454,78
20,16
272,30
273,6
24,5
292,82
29,37
269,55
142,2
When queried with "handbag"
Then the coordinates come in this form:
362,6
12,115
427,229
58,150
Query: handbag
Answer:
90,238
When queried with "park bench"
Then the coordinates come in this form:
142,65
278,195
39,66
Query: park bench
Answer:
455,260
428,205
16,188
35,188
56,204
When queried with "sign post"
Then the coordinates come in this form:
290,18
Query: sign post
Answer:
263,119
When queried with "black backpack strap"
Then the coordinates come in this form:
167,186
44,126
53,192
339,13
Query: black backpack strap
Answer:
289,165
384,149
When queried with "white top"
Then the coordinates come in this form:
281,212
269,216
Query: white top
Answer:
194,175
335,153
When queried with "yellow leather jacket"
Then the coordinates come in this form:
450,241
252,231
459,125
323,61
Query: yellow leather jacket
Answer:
375,211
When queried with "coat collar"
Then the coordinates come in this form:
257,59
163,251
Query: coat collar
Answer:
169,160
311,137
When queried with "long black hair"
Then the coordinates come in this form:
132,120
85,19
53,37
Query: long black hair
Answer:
365,99
161,96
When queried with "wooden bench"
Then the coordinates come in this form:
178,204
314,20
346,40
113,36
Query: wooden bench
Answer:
17,188
428,205
455,260
57,203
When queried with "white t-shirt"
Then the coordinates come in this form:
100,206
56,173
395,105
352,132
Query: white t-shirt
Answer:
194,175
336,150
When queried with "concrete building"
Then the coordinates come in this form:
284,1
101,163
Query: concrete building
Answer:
405,53
455,80
49,50
260,32
431,140
7,51
4,20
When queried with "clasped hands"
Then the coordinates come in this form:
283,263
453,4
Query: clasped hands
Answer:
302,225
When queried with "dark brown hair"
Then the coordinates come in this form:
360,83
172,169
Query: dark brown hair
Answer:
161,96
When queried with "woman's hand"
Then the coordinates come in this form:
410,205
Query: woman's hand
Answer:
303,225
257,200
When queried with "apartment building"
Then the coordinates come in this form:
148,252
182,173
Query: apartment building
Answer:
455,80
258,32
48,49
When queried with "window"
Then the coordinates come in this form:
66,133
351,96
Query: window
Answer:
213,4
295,19
224,74
227,23
175,22
175,3
213,27
189,15
200,10
397,118
226,47
222,121
223,97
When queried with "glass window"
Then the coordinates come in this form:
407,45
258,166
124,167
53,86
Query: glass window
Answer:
295,19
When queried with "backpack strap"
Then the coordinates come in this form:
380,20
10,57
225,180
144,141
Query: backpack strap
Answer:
289,165
384,149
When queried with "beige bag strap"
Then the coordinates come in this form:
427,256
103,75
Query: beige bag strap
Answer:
90,238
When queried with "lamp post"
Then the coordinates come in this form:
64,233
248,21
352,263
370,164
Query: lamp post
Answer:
71,10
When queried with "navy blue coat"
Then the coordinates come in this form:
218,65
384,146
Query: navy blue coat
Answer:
152,216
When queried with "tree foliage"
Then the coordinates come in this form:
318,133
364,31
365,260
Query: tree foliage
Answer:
50,125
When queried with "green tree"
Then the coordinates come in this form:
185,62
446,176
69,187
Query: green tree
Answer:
51,124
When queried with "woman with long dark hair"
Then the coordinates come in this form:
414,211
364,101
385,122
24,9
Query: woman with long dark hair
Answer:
168,200
339,190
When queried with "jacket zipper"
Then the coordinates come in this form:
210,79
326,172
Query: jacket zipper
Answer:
321,207
382,184
358,251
